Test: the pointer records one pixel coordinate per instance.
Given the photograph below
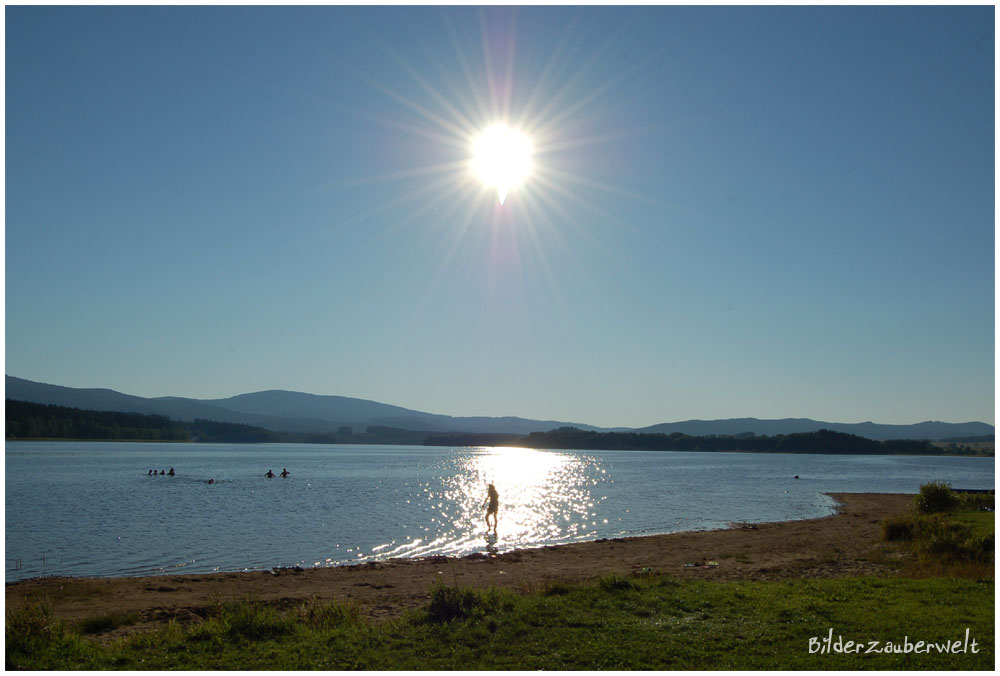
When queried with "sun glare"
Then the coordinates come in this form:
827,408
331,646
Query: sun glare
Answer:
501,158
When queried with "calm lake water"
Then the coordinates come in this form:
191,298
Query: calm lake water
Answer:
90,508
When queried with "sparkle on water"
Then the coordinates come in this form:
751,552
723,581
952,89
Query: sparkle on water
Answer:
544,496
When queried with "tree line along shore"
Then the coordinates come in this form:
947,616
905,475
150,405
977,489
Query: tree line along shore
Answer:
31,421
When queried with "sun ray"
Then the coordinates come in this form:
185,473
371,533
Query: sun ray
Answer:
508,85
435,94
593,94
560,145
569,318
442,197
603,187
447,170
446,183
472,106
567,219
481,106
604,308
460,144
571,82
458,236
420,110
417,309
488,63
528,111
573,197
416,172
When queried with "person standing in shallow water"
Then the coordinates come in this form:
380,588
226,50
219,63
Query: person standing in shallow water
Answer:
492,506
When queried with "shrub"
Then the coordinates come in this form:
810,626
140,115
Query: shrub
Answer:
936,496
35,637
896,528
982,546
944,540
616,582
451,603
30,627
976,501
106,622
326,616
556,589
249,620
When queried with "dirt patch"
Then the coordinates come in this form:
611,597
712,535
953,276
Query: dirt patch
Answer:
834,546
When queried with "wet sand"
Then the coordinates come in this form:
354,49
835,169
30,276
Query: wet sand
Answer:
834,546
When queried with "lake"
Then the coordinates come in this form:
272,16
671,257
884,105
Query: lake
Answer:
90,509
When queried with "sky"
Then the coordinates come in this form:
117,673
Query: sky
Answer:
732,212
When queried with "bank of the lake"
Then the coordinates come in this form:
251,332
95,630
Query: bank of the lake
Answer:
832,546
782,595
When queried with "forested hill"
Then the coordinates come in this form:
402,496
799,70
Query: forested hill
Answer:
822,441
43,421
26,420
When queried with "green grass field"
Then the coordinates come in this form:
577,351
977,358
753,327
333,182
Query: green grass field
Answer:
649,622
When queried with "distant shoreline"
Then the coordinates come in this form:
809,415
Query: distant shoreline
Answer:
956,454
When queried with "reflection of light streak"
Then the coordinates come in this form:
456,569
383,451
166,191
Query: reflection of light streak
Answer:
544,498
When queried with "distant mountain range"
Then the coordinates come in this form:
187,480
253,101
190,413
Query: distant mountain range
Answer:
930,430
281,410
278,410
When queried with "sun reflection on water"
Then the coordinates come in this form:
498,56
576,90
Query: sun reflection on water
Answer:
545,498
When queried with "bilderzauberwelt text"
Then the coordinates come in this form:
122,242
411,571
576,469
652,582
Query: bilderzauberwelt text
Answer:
827,645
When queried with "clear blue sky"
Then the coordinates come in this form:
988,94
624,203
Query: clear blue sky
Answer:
769,212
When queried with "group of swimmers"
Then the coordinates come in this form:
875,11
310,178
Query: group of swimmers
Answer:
269,475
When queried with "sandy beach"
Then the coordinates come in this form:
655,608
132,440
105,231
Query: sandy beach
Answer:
834,546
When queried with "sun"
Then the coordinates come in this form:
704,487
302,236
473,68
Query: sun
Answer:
501,158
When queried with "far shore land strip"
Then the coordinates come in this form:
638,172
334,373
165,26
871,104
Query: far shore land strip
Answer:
839,545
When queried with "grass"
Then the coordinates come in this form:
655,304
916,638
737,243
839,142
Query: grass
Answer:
106,622
618,622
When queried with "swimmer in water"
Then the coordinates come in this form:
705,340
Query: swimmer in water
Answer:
269,475
284,472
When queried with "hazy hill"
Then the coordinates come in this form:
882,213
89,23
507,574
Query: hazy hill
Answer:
930,430
278,410
358,412
281,410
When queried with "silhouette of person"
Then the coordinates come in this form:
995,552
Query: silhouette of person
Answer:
171,472
269,475
492,504
150,473
162,472
284,472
